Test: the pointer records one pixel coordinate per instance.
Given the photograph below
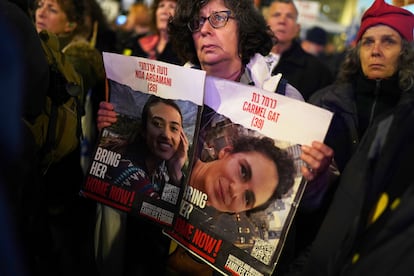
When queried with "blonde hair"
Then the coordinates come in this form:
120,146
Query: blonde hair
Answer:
138,14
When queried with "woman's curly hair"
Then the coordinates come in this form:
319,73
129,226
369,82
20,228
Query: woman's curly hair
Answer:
281,158
351,66
254,34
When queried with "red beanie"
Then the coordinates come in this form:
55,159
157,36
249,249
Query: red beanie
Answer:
397,18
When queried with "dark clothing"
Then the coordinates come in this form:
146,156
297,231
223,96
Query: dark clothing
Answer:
125,41
25,78
307,74
333,61
303,71
15,170
106,40
167,55
355,105
35,68
132,175
146,248
350,242
69,218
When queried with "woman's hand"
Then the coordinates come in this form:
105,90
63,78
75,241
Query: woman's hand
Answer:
177,161
318,157
321,173
106,115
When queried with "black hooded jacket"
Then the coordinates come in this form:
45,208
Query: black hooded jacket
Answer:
303,71
352,241
355,105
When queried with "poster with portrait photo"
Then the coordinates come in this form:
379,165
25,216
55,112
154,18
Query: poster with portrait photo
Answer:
245,182
131,166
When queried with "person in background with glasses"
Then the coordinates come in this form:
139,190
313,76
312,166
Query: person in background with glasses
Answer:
211,36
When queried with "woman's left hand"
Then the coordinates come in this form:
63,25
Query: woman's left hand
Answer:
318,157
176,163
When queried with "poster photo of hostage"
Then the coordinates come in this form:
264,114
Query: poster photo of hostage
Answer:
238,189
154,149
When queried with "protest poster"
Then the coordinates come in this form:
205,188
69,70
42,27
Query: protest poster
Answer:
242,194
127,171
240,184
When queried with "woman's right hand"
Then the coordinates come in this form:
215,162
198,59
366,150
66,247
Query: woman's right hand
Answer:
106,115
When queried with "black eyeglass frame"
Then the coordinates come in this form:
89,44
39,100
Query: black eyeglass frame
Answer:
202,20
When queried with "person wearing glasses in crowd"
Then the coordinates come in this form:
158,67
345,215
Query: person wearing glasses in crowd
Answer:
229,39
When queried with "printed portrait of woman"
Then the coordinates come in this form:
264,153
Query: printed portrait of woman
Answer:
239,173
154,144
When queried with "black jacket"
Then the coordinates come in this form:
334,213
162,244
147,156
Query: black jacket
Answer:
168,55
354,105
302,70
347,244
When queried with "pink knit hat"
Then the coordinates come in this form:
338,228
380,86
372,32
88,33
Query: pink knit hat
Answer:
397,18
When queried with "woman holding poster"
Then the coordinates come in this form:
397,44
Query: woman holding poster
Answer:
229,39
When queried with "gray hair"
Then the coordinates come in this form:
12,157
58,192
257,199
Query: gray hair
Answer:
352,65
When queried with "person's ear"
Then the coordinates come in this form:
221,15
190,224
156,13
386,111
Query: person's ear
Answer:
225,151
70,26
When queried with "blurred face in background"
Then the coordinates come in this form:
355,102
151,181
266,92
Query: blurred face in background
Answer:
282,20
380,49
50,16
165,9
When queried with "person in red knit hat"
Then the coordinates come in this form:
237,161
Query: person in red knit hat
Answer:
369,225
374,75
399,19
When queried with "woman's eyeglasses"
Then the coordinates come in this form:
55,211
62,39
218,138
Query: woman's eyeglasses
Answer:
217,20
